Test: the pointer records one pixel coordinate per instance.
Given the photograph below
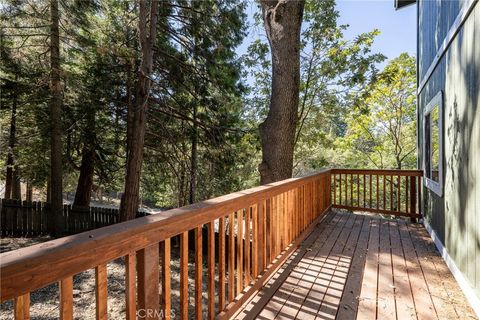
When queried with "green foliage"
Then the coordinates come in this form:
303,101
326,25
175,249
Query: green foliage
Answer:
333,70
381,127
202,117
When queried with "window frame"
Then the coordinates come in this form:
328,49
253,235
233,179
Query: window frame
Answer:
436,187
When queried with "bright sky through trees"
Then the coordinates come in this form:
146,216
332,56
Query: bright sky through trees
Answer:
397,28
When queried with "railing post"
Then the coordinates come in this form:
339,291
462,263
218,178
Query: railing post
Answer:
148,277
413,198
260,237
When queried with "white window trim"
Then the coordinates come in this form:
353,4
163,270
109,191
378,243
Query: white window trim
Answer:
436,187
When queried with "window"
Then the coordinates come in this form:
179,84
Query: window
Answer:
432,145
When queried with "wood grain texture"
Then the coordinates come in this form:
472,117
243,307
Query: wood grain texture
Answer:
148,281
101,294
211,271
184,275
325,278
247,248
75,254
165,248
130,286
66,299
22,307
221,263
198,272
239,276
231,258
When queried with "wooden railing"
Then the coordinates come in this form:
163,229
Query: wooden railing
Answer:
250,234
393,192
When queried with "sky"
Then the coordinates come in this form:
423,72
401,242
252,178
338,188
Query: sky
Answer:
398,28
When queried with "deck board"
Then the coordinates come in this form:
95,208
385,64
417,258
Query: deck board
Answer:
364,267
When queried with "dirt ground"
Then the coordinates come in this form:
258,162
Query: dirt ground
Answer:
45,301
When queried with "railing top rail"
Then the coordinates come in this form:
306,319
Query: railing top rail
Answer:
387,172
34,267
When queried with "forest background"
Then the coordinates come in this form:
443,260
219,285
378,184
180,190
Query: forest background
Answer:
206,101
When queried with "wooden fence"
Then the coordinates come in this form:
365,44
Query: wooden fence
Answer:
28,219
393,192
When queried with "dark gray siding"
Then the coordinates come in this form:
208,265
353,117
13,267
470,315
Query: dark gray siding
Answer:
455,217
435,19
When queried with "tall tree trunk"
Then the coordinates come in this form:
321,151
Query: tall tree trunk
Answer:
17,186
194,158
282,20
29,192
11,145
56,170
87,166
49,191
83,193
147,33
130,111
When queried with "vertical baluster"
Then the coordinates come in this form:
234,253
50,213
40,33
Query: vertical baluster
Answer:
261,237
211,270
358,190
247,247
351,190
184,275
334,176
282,220
364,186
231,258
289,213
273,228
346,189
407,190
22,307
239,284
340,183
198,272
419,190
371,189
391,192
221,263
255,247
130,286
268,232
398,194
166,279
377,191
66,298
384,196
297,211
101,291
413,198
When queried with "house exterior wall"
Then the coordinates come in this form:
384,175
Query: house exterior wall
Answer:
455,216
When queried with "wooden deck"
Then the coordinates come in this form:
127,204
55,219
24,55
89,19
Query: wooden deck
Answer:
364,267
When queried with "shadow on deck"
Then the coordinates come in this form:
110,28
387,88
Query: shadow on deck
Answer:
364,267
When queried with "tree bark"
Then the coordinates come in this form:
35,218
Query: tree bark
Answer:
87,167
29,192
56,170
282,20
147,33
11,145
17,186
83,193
